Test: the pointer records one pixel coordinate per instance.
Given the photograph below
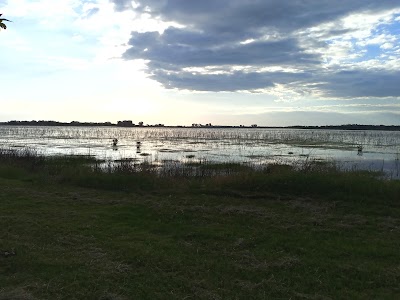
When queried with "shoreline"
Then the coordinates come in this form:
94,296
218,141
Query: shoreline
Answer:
109,124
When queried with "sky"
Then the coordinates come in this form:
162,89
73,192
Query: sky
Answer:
224,62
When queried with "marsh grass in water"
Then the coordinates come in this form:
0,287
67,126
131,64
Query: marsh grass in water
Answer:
129,174
212,144
87,229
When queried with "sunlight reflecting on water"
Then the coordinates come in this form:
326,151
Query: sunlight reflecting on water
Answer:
256,145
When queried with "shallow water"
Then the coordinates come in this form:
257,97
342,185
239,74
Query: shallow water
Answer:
255,145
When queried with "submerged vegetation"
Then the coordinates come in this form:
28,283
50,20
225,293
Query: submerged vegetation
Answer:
257,146
131,174
74,227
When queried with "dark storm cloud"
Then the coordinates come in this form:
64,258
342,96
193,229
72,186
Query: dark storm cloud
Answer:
212,82
252,33
234,81
186,49
243,15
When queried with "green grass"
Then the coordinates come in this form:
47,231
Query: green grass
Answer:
279,233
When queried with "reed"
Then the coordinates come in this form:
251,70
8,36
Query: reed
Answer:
301,178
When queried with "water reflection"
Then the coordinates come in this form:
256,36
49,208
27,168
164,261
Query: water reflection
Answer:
379,149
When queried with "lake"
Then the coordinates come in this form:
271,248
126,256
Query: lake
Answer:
256,146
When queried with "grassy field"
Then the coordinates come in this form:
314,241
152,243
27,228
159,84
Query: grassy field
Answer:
73,230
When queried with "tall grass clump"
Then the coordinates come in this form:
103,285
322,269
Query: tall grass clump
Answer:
25,156
23,162
120,175
306,178
315,179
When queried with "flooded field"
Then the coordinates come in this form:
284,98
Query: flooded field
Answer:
369,150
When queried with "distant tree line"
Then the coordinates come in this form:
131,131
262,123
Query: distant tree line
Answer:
125,123
129,123
201,125
352,127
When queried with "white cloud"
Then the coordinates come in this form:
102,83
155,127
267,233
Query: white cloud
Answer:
387,45
343,43
377,40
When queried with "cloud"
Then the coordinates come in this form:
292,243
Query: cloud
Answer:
363,83
121,5
235,16
92,11
230,44
310,118
223,81
185,49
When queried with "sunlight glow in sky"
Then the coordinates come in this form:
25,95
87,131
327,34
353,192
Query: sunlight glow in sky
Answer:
178,62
